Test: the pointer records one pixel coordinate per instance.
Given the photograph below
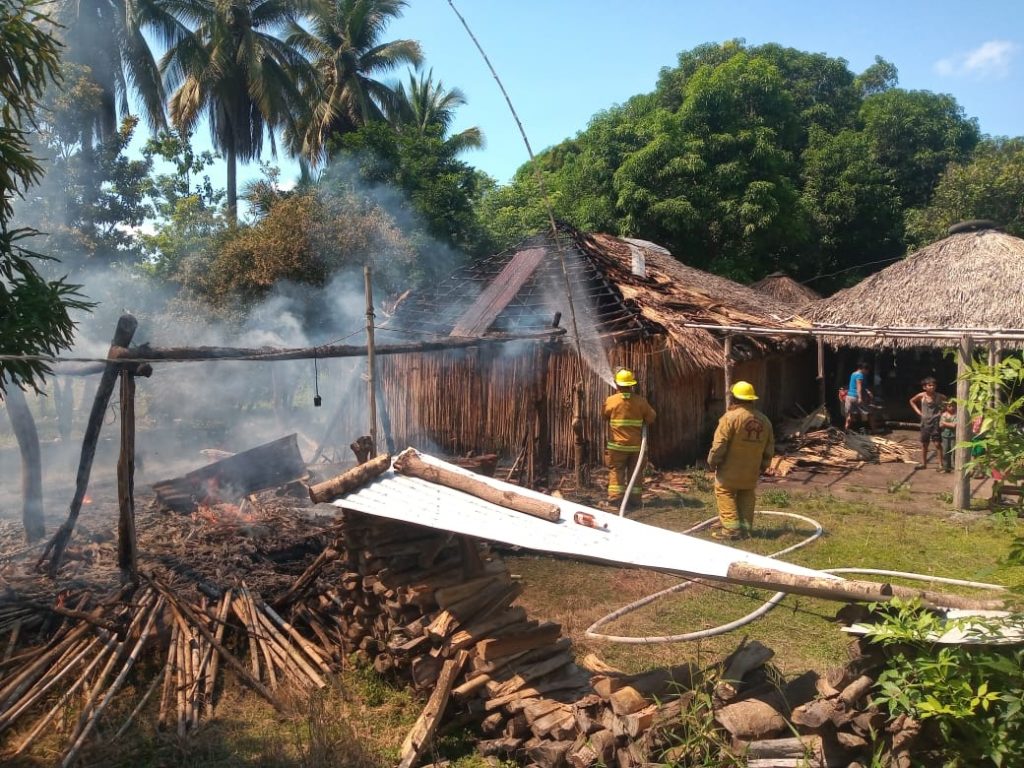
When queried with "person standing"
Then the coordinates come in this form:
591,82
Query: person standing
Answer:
626,413
857,395
947,427
741,450
928,404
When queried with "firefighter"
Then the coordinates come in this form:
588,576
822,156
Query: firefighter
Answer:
742,448
627,413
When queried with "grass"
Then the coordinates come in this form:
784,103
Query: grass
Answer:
801,630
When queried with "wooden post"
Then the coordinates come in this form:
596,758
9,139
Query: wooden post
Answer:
821,371
127,544
579,440
126,326
962,486
727,367
371,366
24,426
540,432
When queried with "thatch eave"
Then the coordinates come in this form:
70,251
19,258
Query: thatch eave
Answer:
970,280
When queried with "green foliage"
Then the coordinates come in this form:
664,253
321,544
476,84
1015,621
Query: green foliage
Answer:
305,238
1000,446
184,210
440,190
34,311
971,695
990,185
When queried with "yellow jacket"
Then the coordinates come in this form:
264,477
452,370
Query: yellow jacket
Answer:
743,447
626,414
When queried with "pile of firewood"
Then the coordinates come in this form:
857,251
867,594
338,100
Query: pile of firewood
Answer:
428,606
832,449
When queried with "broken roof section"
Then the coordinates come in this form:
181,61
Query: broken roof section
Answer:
785,289
622,289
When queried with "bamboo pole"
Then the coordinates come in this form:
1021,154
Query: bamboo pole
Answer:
822,397
962,480
727,368
371,365
222,617
123,333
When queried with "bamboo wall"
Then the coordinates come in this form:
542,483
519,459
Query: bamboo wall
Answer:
456,402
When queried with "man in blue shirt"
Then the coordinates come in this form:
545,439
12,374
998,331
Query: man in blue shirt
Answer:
857,394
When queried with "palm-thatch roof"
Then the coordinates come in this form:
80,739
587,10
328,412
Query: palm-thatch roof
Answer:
969,280
785,289
609,299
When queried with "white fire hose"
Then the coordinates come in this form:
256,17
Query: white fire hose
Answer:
592,633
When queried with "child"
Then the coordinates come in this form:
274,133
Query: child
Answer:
928,404
947,428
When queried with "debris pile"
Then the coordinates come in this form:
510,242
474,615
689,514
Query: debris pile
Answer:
812,443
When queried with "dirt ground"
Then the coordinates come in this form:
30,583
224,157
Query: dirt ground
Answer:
891,485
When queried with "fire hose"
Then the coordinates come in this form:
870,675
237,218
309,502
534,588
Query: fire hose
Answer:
636,470
592,633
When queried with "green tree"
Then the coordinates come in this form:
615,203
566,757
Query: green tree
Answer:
34,312
183,205
306,239
917,134
990,185
858,220
440,191
342,39
427,107
106,39
229,65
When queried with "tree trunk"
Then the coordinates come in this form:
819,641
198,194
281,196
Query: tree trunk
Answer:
232,157
24,427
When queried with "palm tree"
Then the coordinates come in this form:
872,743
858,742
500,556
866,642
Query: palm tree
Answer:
428,106
343,43
228,64
107,36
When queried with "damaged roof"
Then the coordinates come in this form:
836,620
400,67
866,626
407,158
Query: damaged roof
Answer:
622,289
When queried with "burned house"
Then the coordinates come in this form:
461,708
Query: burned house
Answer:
633,304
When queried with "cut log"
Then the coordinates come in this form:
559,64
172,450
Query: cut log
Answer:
492,648
410,463
748,657
850,589
354,478
549,754
751,719
627,700
418,739
503,747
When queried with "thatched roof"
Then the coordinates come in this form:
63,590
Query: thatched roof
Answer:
610,300
970,280
785,289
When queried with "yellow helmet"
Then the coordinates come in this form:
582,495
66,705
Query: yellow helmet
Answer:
744,390
624,378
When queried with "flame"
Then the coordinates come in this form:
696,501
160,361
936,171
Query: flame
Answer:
223,513
87,499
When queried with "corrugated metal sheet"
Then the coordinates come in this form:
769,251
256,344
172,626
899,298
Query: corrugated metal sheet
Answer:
625,543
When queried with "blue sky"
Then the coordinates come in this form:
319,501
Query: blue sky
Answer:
564,60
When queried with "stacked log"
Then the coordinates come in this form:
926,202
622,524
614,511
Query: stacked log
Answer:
830,449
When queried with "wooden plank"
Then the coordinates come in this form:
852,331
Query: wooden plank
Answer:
496,296
492,648
418,739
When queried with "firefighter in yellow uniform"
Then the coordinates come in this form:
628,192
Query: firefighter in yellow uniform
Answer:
742,448
626,412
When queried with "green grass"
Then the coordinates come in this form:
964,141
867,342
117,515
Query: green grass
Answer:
801,630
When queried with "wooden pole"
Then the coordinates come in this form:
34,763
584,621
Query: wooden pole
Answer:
24,427
821,371
578,438
962,486
126,326
727,367
371,366
127,543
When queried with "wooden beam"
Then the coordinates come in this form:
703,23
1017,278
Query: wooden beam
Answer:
962,482
418,739
127,544
123,333
147,354
349,480
409,463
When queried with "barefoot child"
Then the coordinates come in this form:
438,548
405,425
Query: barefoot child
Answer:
928,404
947,428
